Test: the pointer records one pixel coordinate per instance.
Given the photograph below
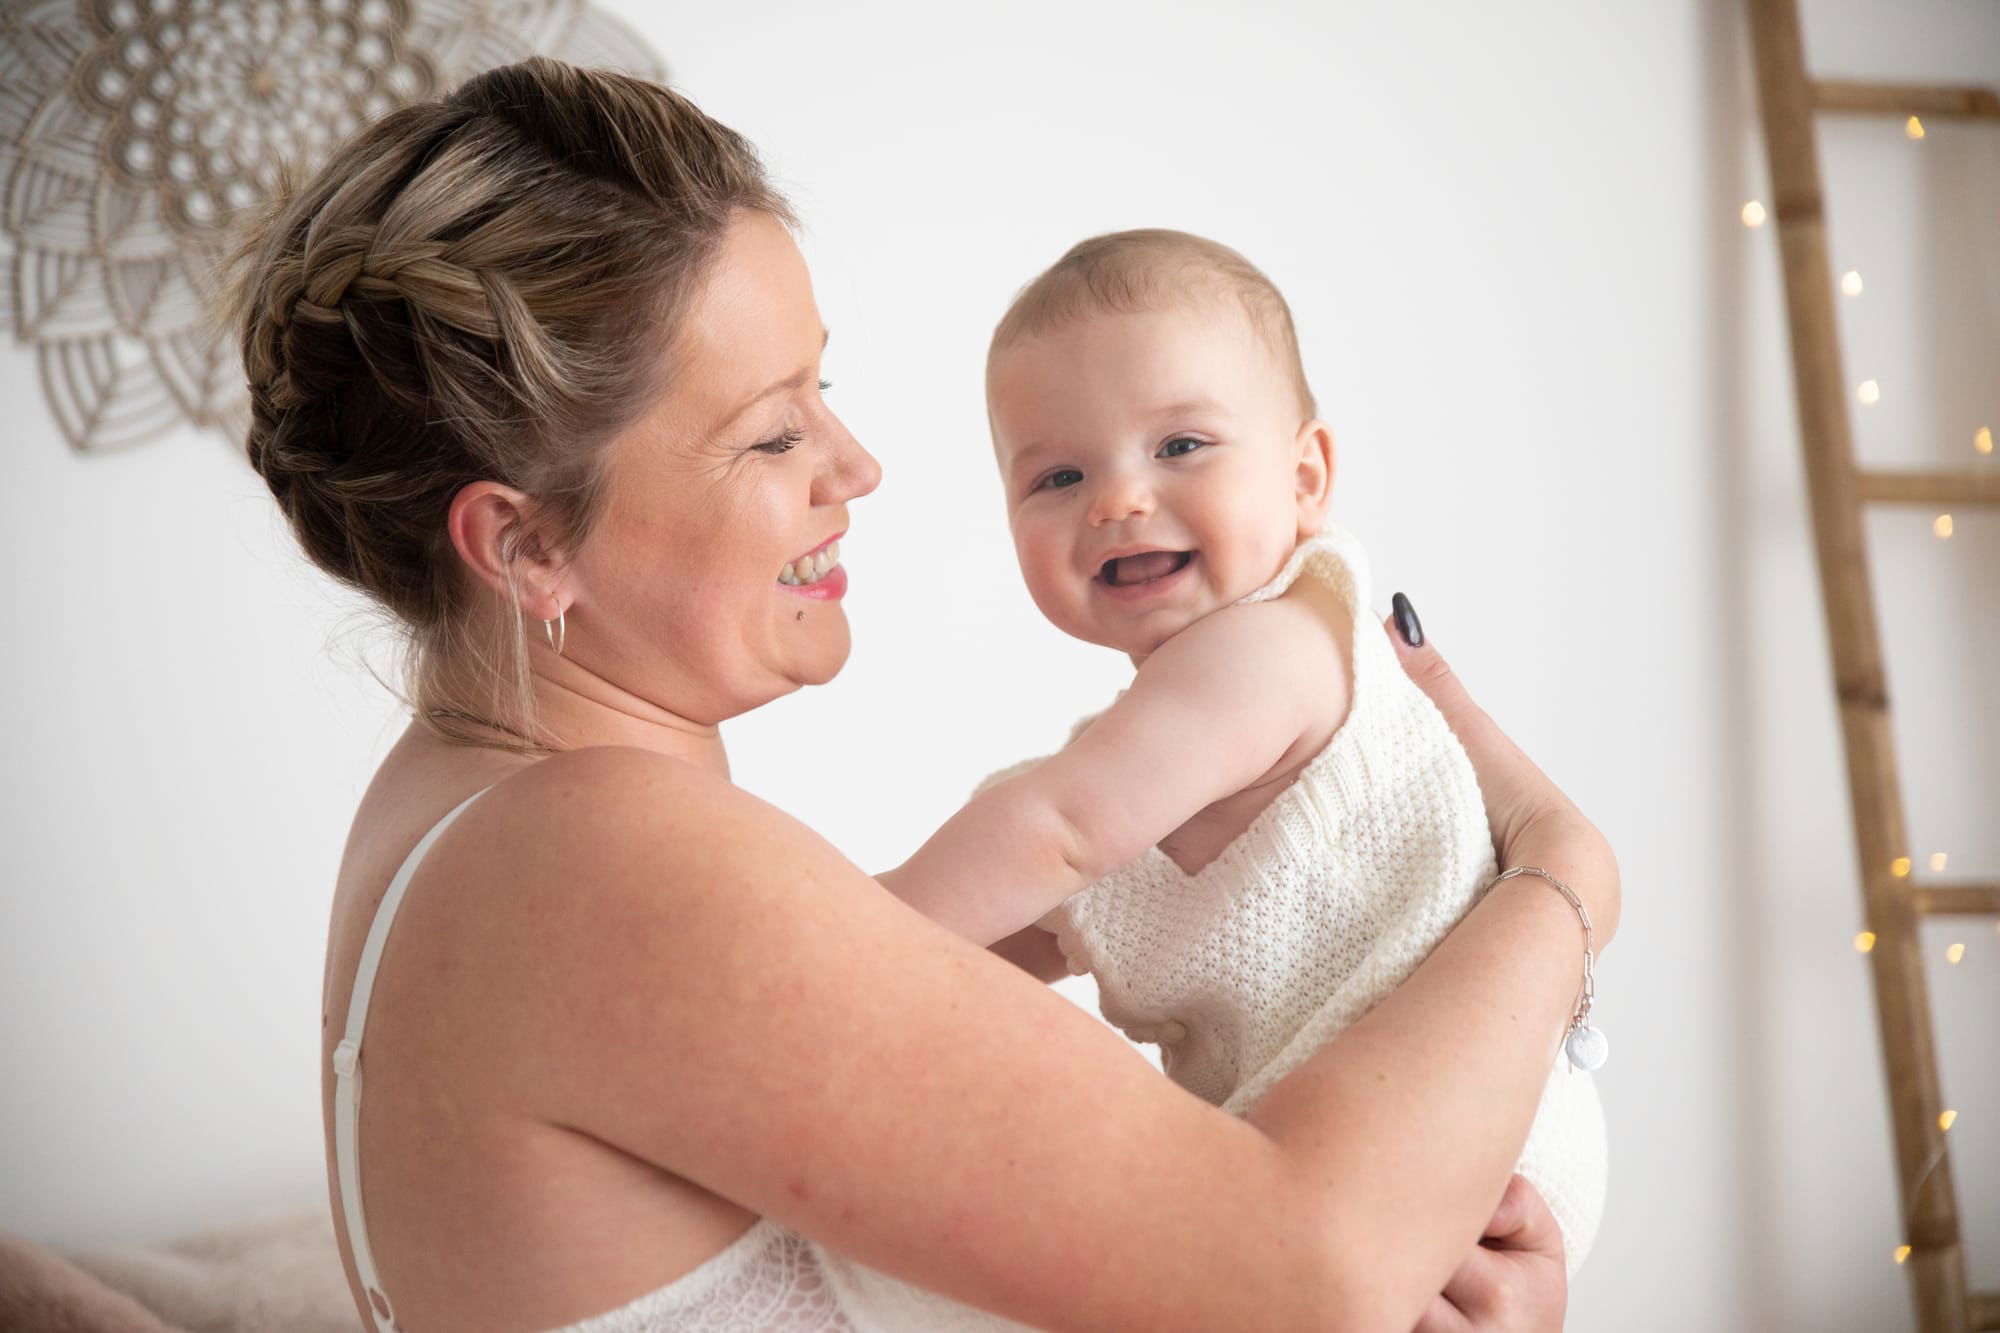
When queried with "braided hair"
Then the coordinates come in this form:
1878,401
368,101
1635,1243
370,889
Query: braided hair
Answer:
451,297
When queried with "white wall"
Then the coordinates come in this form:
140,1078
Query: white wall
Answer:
1556,366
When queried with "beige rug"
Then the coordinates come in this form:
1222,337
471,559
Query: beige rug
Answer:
276,1274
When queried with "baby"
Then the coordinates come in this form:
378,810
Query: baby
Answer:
1272,826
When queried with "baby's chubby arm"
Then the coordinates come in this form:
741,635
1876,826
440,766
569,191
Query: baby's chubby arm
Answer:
1213,710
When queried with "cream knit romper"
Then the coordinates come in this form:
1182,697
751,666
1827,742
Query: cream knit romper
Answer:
1333,895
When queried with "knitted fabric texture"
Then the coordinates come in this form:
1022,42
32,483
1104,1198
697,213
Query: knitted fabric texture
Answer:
1322,906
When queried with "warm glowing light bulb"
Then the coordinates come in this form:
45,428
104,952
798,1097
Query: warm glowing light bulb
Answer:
1753,214
1902,1253
1954,954
1982,439
1900,867
1864,941
1937,860
1941,525
1869,392
1850,282
1945,1119
1914,128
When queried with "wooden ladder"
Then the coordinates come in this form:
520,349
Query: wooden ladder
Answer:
1895,899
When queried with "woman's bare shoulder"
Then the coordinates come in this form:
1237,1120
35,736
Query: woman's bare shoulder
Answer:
676,969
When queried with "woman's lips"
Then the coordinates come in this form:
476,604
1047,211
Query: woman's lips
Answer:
829,587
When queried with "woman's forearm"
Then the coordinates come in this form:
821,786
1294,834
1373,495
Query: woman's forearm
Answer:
1409,1124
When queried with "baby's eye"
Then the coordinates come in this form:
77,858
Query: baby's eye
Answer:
1180,445
1061,477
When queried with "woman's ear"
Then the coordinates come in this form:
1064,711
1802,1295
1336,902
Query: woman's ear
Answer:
1314,444
492,526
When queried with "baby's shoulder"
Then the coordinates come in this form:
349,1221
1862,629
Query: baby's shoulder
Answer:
1253,654
1304,632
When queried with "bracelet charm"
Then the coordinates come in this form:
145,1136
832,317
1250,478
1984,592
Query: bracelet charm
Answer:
1587,1047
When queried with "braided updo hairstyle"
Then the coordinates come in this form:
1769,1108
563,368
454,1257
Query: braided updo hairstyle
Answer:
453,297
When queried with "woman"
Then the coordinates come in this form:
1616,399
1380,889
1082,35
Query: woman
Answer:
641,1043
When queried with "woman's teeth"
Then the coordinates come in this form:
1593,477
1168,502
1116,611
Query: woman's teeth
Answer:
812,568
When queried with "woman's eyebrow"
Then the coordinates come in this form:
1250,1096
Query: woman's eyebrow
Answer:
792,382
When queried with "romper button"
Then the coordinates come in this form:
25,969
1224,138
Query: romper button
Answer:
1172,1030
344,1056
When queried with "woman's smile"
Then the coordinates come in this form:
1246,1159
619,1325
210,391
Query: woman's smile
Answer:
818,573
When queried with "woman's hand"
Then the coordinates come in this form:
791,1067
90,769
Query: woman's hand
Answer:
1514,1280
1533,823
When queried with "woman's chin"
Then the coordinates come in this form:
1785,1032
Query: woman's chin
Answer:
825,659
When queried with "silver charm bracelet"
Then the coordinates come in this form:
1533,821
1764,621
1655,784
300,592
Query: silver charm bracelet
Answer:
1585,1045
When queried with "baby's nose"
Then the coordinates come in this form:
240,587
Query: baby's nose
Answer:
1118,499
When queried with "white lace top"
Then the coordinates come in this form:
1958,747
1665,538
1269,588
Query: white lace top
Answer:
1331,897
768,1280
771,1280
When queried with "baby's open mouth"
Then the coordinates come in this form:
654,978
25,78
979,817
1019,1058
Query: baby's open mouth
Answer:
1144,567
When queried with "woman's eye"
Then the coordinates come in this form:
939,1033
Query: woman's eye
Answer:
1061,477
1179,446
782,444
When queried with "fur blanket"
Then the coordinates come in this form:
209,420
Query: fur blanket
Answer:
278,1274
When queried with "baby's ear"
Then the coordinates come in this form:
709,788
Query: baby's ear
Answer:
1314,443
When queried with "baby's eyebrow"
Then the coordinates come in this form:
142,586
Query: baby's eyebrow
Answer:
1191,407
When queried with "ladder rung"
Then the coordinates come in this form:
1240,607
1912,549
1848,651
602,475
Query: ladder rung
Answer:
1979,488
1957,900
1906,99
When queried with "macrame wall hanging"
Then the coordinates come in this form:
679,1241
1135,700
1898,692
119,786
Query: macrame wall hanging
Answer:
131,130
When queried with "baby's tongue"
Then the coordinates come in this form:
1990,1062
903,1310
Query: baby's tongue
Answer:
1139,568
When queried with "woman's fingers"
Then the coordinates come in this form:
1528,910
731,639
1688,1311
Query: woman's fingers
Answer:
1514,1281
1523,1222
1516,791
1532,822
1442,1317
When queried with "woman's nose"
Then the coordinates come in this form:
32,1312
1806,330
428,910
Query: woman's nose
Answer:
853,473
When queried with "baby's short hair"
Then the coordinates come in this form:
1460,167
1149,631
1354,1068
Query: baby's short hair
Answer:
1125,272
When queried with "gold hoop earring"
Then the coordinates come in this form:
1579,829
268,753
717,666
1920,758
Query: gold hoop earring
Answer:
556,632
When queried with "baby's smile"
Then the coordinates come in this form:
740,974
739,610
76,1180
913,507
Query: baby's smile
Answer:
1141,572
1143,567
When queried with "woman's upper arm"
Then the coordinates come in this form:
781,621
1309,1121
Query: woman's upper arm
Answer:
719,992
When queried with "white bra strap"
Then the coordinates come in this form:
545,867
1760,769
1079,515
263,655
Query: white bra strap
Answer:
347,1068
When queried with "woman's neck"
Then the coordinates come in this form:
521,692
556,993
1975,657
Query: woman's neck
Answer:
581,710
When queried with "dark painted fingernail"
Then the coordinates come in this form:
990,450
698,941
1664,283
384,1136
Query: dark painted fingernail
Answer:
1407,623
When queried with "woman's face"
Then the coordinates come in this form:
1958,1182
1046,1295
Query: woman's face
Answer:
708,583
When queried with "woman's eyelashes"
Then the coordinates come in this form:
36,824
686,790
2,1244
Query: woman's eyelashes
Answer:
787,439
782,443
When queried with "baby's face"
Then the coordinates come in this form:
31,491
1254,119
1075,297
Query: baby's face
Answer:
1151,464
